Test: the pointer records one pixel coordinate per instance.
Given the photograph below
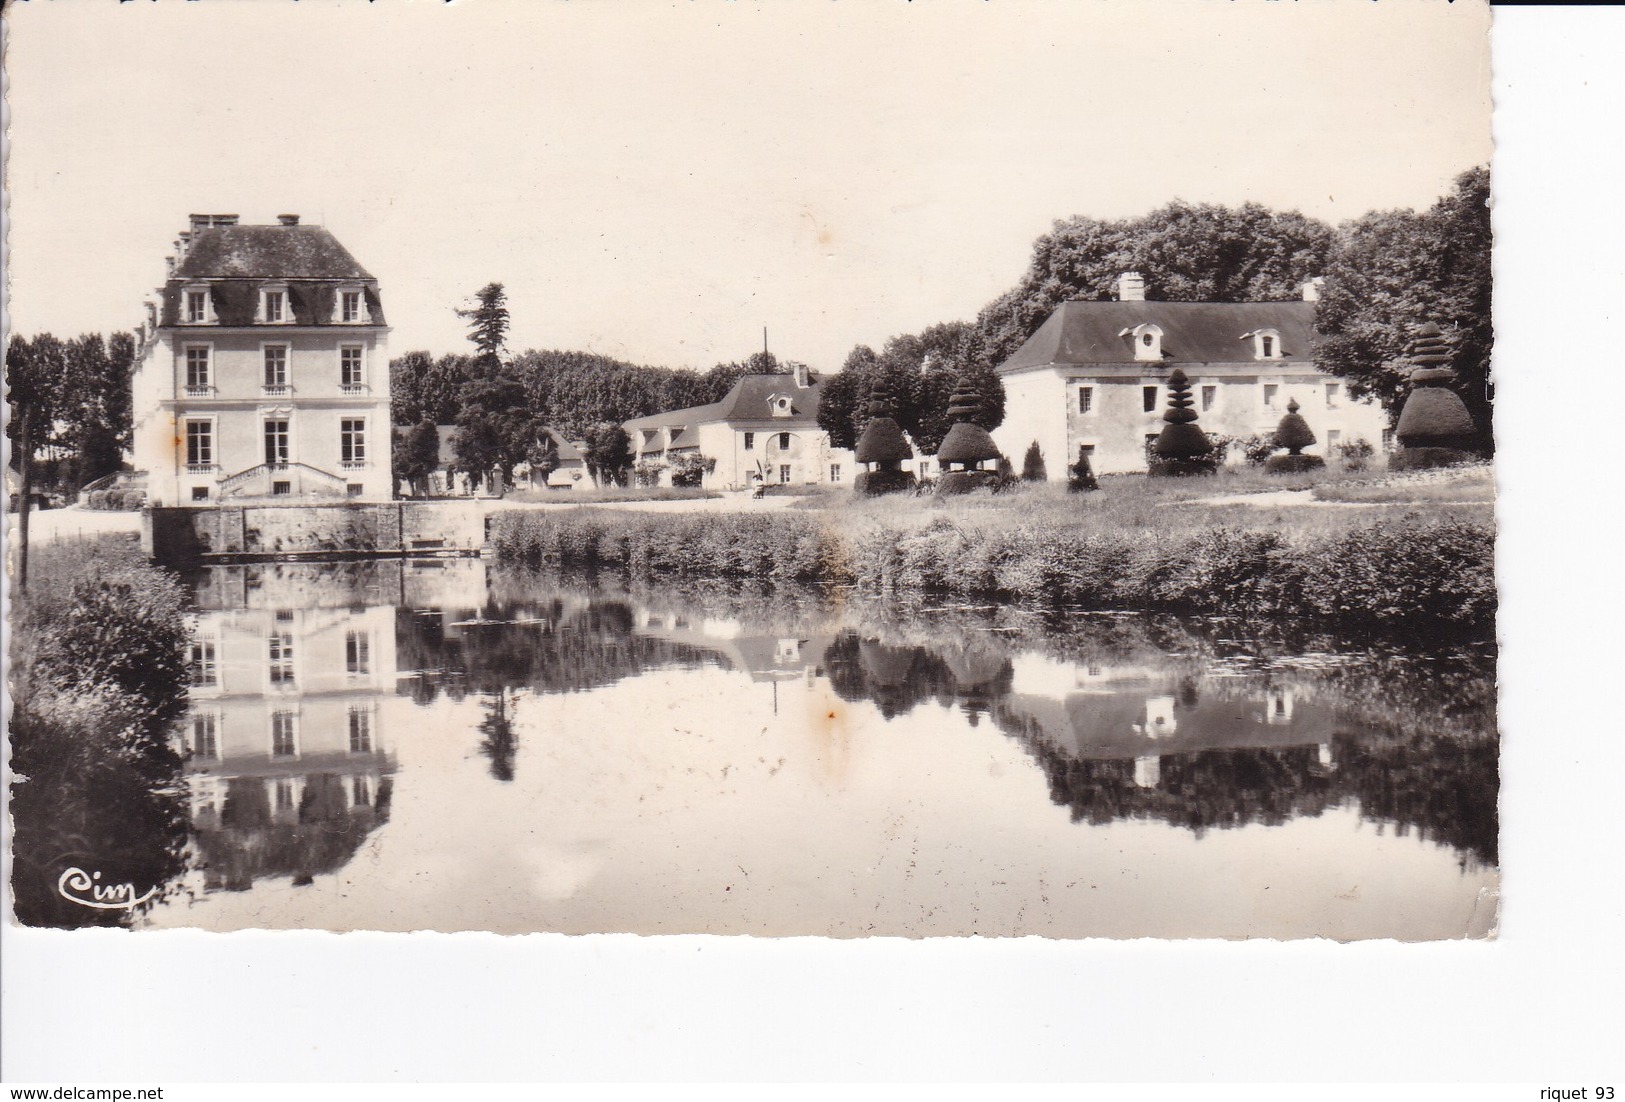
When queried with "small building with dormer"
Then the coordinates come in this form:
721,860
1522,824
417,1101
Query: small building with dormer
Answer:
1095,376
263,369
765,429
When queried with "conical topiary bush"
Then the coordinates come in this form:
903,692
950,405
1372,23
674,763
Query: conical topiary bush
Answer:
1293,434
882,447
1081,476
1435,429
967,445
1181,448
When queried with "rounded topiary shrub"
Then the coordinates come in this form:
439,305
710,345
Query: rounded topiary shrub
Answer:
1434,416
1425,459
964,482
1183,467
884,481
1293,433
1293,464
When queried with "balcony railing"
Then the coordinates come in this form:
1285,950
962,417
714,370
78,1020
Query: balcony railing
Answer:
352,464
354,388
277,390
202,468
198,390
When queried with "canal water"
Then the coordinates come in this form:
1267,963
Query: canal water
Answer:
447,745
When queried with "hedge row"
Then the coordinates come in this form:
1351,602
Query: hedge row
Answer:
1411,573
116,500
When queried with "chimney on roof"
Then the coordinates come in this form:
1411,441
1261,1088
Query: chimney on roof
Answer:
1312,290
288,219
205,221
1131,287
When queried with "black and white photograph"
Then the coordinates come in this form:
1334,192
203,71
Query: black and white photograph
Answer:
905,471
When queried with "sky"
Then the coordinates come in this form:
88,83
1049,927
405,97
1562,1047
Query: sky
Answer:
660,182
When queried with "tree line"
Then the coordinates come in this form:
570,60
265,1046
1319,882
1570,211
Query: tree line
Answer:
70,406
1385,274
501,404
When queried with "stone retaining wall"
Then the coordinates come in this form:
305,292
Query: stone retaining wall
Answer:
179,534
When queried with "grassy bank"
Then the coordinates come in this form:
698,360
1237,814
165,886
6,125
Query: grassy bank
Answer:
1377,566
98,679
611,494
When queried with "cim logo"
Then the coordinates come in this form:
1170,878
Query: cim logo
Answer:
85,888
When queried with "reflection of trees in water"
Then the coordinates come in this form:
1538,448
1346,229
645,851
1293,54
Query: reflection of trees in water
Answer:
1441,788
1214,788
246,841
1418,748
499,743
1424,757
546,647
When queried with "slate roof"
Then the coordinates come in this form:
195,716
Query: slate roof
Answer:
747,401
1088,333
237,260
268,252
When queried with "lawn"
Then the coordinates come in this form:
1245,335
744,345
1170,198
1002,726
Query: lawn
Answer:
1135,502
610,494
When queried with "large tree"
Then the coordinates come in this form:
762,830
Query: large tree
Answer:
608,453
93,411
421,386
496,427
488,322
1186,252
417,456
1394,271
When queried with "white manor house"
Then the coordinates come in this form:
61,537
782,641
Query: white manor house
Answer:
1095,376
262,370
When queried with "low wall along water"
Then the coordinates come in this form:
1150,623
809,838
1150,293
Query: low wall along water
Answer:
239,532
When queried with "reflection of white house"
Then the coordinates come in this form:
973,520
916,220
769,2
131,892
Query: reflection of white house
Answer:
765,428
284,695
263,369
1095,376
763,657
1141,714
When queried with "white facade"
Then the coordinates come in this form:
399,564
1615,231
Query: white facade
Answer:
265,385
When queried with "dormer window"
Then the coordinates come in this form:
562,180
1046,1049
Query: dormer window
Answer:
1266,343
195,306
350,306
780,405
1147,341
274,307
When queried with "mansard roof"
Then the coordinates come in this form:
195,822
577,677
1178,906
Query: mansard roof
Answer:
268,252
234,262
1099,333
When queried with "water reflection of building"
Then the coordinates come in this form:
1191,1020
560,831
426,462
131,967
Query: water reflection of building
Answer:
1130,713
285,748
764,656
